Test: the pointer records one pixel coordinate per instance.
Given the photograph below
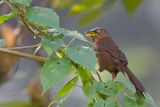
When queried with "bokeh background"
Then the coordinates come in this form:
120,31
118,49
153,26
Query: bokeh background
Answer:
137,34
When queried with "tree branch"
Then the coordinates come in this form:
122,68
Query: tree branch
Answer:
24,47
23,55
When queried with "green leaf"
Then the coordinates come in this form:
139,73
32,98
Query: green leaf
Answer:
61,3
113,89
68,33
84,56
66,88
24,2
109,89
100,103
2,43
128,88
129,102
51,46
140,100
76,34
90,17
82,6
149,101
78,8
85,74
54,71
131,5
88,90
44,16
91,103
6,17
111,102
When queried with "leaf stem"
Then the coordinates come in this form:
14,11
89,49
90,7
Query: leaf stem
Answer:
99,77
71,41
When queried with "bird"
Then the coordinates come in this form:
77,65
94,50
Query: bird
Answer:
111,58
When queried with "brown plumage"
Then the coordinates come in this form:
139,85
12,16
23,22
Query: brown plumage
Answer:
111,58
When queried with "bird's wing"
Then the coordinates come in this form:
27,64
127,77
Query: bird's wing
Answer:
117,54
111,48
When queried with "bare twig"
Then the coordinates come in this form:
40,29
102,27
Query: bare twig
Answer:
24,47
99,77
24,55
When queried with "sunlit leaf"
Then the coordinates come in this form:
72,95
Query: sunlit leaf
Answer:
91,103
61,3
54,71
6,17
66,88
82,6
131,5
78,8
84,56
88,90
85,74
90,17
44,16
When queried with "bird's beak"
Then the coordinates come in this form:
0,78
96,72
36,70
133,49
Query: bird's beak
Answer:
90,34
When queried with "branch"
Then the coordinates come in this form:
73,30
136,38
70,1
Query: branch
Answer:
23,47
23,55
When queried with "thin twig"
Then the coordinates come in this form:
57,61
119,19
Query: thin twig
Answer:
23,47
24,55
99,77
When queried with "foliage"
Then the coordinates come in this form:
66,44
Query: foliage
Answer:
64,59
96,10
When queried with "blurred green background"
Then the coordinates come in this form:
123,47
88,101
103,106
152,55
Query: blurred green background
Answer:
133,24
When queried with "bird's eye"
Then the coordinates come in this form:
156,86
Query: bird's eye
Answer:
98,31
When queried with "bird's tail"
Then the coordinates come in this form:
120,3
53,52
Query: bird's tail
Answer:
137,84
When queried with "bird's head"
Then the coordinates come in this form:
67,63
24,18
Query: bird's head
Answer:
97,33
